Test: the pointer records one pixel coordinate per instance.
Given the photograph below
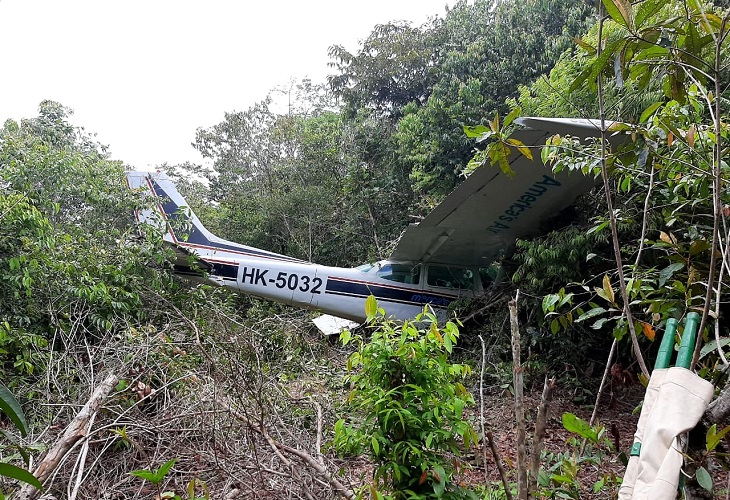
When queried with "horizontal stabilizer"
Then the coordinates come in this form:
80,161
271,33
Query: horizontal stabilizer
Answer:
332,325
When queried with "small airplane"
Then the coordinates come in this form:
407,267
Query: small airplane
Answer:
437,261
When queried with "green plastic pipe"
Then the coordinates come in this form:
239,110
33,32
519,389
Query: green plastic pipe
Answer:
686,348
666,348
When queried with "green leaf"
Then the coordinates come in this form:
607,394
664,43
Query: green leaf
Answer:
345,337
704,479
647,8
476,131
713,437
577,425
585,45
711,346
620,11
371,308
145,474
13,472
549,301
10,406
458,407
376,446
554,326
668,271
591,313
511,116
598,485
648,112
579,80
162,471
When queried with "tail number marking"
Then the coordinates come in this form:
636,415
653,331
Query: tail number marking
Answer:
292,281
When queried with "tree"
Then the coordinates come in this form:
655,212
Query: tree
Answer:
489,50
396,65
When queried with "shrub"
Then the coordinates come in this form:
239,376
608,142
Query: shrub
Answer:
409,406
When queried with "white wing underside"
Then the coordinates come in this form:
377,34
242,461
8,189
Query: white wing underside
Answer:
488,211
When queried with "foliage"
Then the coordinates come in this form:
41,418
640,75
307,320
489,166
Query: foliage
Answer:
395,65
65,210
408,405
10,407
560,478
488,50
157,476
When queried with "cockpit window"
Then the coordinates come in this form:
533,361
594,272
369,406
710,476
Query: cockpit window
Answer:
450,277
402,273
365,268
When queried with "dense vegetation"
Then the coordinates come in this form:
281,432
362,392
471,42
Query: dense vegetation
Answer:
224,396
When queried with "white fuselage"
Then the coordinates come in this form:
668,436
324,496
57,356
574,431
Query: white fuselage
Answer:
402,288
334,290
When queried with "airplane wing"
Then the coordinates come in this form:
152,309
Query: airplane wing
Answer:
490,210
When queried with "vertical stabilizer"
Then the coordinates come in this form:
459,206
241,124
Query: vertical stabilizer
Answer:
182,227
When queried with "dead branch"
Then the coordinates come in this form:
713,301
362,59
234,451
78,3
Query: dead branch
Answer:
540,426
518,378
719,410
76,430
278,447
498,461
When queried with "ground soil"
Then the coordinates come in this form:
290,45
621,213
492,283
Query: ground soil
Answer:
617,413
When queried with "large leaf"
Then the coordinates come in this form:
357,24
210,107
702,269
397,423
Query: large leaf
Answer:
511,116
711,346
647,9
10,406
620,11
526,152
577,425
475,131
371,307
13,472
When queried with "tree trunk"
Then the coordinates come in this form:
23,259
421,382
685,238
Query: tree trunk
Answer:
518,379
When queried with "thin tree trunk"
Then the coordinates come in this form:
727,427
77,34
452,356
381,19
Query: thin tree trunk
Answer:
612,214
518,379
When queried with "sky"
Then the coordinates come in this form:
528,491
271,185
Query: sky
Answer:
143,75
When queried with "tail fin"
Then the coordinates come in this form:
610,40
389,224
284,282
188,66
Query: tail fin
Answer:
182,227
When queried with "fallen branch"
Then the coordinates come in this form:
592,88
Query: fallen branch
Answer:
76,430
278,447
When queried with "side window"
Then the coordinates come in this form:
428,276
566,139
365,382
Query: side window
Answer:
450,277
491,275
402,273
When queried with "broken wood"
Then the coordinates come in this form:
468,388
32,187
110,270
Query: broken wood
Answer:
539,436
278,448
76,430
500,467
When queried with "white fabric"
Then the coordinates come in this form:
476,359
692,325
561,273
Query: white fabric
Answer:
632,468
681,402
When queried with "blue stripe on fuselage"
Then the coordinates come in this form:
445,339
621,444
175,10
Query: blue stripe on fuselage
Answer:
339,286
